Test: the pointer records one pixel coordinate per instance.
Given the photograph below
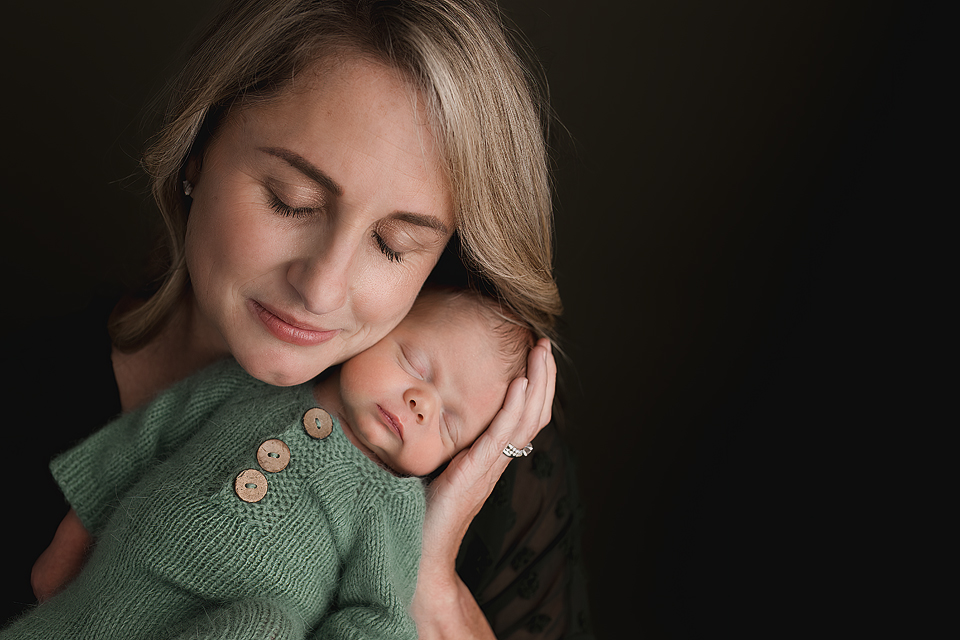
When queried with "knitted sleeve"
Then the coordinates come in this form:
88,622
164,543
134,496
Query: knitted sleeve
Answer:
95,474
380,572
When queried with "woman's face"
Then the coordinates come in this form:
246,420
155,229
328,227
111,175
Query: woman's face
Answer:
315,220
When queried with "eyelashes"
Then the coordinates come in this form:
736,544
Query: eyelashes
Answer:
413,369
391,255
285,210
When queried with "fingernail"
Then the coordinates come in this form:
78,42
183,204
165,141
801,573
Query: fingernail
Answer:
523,385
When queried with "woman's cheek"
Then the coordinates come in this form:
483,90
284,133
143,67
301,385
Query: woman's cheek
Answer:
383,298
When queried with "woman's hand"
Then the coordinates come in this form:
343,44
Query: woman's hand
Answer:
63,559
442,605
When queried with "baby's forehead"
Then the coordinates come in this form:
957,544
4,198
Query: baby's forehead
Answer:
449,320
467,316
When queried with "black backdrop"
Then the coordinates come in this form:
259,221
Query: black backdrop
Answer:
732,182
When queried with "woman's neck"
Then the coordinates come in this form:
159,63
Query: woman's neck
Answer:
186,344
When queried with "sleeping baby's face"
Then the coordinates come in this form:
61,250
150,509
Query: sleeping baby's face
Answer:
428,389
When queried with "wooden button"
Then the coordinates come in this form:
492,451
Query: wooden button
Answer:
273,455
250,485
317,423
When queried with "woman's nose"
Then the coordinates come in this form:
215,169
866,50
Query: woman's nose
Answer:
324,278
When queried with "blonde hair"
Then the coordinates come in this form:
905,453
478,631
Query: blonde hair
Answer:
487,111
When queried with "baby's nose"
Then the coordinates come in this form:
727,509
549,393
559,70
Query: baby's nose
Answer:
417,410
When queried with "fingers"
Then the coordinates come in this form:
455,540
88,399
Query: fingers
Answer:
542,373
62,561
538,390
547,409
504,425
526,408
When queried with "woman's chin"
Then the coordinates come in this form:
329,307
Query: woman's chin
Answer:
283,370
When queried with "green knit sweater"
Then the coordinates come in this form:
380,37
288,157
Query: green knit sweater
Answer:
330,551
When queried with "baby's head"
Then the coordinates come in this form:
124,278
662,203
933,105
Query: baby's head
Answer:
432,385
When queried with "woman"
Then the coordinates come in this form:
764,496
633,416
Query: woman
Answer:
317,158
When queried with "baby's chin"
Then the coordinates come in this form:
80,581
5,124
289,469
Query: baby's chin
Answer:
403,471
390,466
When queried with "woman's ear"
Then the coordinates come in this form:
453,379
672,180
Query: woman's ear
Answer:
192,171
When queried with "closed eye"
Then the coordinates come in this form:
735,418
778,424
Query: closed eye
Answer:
411,368
402,233
386,250
452,426
287,211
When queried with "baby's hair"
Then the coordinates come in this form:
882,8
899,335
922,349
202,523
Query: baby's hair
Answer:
514,337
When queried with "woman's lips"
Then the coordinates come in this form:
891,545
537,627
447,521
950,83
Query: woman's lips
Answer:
289,330
392,421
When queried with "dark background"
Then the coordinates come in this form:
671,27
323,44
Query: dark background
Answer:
736,186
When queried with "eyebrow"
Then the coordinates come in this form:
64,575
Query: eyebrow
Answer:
301,164
421,220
